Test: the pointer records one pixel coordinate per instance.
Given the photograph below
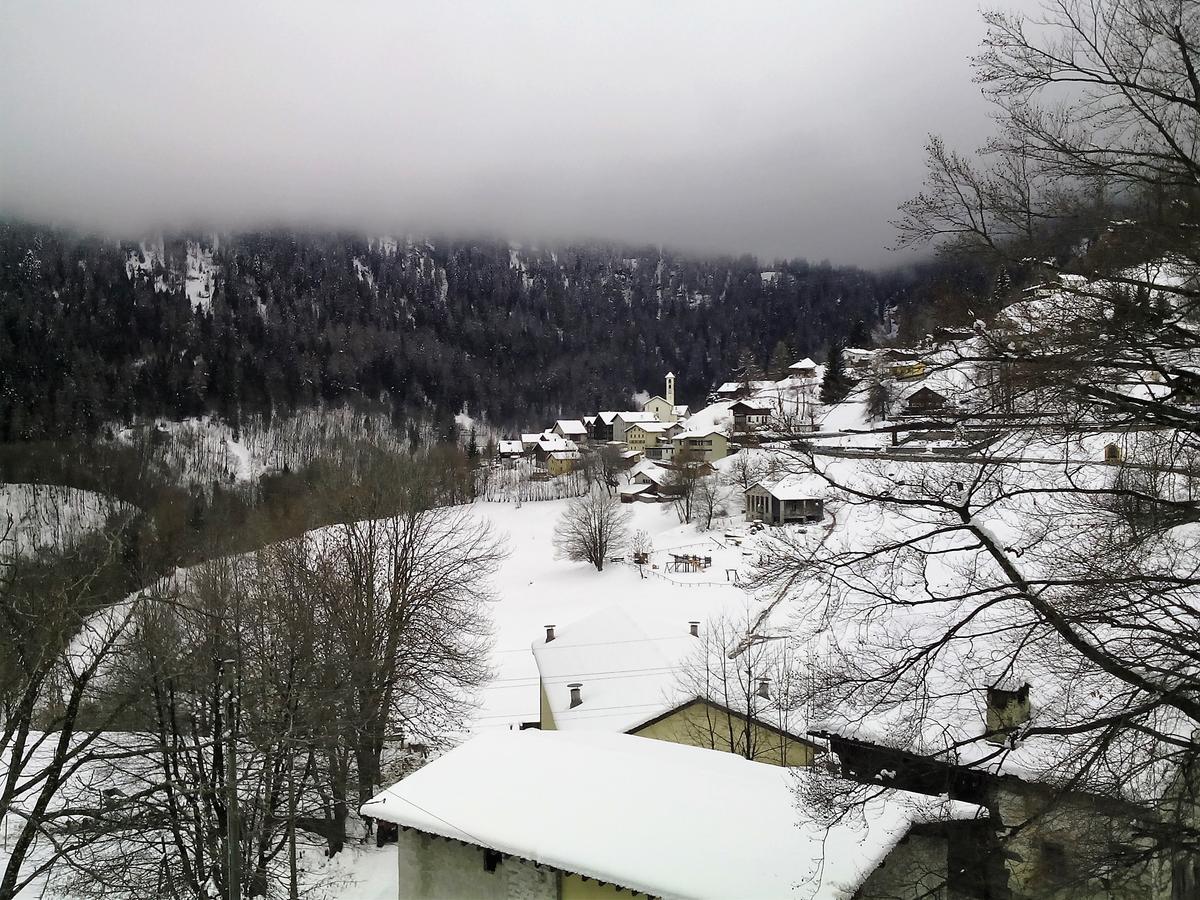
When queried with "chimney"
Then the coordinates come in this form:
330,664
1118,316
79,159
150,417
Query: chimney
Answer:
671,388
764,688
694,629
549,633
575,698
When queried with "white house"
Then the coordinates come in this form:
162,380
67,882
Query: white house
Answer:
571,429
568,815
510,449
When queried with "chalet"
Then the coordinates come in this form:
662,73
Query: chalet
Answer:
585,815
748,416
924,401
529,442
560,462
782,503
857,358
805,368
570,429
702,445
552,443
741,390
510,449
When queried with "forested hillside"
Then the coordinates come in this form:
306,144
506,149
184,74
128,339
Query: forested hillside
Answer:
94,331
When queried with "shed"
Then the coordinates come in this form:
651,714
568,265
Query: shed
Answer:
782,503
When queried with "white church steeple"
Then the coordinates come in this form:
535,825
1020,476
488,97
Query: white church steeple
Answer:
670,398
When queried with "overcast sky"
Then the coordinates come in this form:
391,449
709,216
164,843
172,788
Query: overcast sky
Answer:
783,129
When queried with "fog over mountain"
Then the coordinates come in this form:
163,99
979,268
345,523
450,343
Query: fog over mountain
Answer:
789,128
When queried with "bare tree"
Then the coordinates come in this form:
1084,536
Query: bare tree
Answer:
57,647
754,691
686,470
592,527
709,500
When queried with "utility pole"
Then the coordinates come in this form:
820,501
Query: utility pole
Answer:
233,861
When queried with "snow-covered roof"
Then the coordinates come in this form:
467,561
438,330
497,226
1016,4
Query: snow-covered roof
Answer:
638,417
642,654
654,427
940,710
550,443
570,426
680,410
697,433
666,819
511,446
803,365
531,438
791,487
564,454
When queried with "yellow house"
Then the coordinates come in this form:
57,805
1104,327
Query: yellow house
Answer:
645,661
562,461
701,722
908,369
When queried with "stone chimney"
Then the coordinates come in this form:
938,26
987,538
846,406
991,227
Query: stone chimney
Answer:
671,388
694,629
549,633
1007,710
764,688
575,698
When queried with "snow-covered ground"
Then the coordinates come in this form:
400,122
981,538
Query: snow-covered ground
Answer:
535,590
34,516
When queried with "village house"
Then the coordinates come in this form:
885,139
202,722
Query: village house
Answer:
510,449
1040,839
749,415
570,429
611,426
653,439
805,368
560,462
924,401
782,503
646,658
702,446
585,815
551,443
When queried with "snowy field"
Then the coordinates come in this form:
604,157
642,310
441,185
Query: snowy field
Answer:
34,516
535,590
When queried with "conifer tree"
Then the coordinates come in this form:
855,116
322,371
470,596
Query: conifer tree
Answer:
835,385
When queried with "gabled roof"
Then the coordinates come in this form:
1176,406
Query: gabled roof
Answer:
510,446
642,654
531,438
586,803
683,435
570,426
638,416
803,365
564,454
791,487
